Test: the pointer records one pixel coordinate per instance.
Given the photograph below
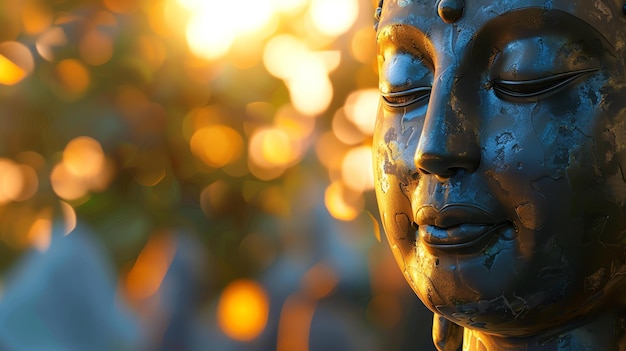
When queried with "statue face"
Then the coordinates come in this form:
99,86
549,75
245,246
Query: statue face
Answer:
500,158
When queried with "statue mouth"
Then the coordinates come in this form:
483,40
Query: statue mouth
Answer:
459,237
458,227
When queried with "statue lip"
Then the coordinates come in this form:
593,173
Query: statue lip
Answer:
457,226
460,237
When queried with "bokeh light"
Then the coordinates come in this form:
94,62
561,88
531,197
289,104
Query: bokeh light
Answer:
342,203
217,145
148,272
217,155
40,233
243,310
73,78
83,157
356,169
16,62
334,17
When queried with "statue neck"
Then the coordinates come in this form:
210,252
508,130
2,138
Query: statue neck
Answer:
603,332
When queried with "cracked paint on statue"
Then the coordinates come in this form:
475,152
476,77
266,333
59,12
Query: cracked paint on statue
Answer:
499,154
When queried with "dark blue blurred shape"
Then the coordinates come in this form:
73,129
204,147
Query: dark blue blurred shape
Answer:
65,299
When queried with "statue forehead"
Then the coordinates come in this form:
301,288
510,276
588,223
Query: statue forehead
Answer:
605,15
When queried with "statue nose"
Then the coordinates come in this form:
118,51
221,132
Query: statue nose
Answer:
448,140
447,160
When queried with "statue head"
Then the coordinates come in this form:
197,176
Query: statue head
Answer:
500,157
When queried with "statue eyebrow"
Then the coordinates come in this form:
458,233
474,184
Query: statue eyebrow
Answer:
401,32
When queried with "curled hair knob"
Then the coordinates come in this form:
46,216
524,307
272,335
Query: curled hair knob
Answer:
450,10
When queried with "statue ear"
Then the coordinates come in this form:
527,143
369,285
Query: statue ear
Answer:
447,336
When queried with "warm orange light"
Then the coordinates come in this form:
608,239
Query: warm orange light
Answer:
217,145
304,71
201,117
275,147
341,203
345,130
12,181
319,281
31,158
281,53
30,183
211,36
363,45
294,326
10,73
55,36
72,76
266,172
83,156
100,182
96,47
150,268
296,124
242,310
65,184
330,150
152,50
69,217
156,17
311,90
361,108
356,169
40,233
16,62
122,6
333,17
35,17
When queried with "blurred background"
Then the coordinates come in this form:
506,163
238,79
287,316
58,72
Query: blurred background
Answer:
194,175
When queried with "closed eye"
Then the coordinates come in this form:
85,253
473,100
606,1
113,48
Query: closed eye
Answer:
406,97
536,87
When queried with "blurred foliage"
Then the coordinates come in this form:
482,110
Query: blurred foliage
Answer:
230,121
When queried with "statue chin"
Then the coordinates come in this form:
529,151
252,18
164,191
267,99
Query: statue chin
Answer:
500,158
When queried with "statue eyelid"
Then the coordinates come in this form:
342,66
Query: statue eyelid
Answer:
536,87
406,97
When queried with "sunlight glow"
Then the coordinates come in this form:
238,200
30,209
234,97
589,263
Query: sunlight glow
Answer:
215,24
334,17
304,71
289,6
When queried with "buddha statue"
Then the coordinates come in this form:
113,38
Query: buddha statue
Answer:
500,167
